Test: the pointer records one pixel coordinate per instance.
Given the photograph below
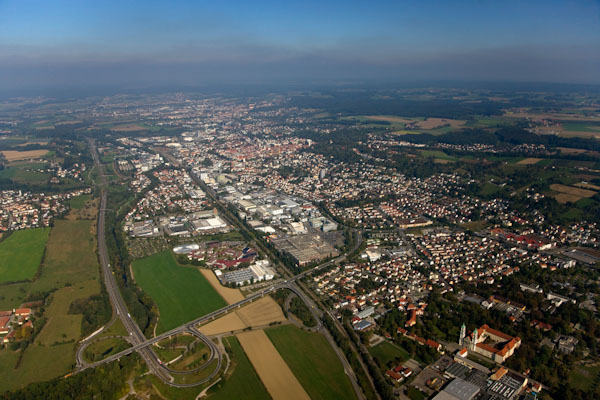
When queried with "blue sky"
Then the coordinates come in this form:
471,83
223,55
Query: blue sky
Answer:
186,42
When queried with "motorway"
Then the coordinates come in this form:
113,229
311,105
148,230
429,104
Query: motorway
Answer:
136,336
143,346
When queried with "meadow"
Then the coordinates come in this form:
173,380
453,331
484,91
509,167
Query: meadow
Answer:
386,352
313,362
181,293
52,353
21,254
243,383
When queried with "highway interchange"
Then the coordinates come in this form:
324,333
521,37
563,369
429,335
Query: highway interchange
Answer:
142,345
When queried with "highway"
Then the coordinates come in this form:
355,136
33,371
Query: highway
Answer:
136,336
143,346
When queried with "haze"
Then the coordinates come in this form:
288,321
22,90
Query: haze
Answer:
151,43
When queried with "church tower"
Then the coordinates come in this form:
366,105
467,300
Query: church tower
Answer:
463,333
474,341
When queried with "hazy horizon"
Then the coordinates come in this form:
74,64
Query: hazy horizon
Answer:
149,44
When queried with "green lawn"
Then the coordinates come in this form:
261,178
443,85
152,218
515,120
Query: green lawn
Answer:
386,352
105,348
78,202
313,362
244,383
21,254
181,294
583,377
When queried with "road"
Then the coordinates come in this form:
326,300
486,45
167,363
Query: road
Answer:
142,345
136,336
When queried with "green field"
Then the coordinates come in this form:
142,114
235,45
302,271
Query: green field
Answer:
575,127
26,172
386,352
78,202
244,383
52,353
437,154
105,348
583,377
181,294
313,362
21,254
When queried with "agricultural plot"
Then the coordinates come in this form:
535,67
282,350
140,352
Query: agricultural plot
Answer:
78,202
14,155
52,354
572,194
230,295
243,383
21,254
529,161
181,294
31,173
258,313
270,366
313,362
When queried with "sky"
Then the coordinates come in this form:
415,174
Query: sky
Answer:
160,43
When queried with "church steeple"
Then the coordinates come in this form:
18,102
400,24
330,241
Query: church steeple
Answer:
463,333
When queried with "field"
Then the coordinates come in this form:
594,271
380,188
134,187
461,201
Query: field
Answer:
128,128
529,161
26,172
583,377
270,366
228,294
570,193
437,154
433,123
13,155
21,254
243,383
388,118
386,352
181,294
52,354
78,202
313,362
258,313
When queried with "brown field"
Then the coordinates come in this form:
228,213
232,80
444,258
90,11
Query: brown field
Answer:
127,128
558,116
13,155
529,161
584,134
33,142
258,313
572,190
228,294
586,185
442,161
275,374
69,122
565,198
388,118
432,123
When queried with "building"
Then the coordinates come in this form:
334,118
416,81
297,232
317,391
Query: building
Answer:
490,343
458,389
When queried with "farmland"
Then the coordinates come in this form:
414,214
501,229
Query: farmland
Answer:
25,172
572,194
313,362
52,353
13,155
271,367
21,254
258,313
228,294
181,294
243,382
79,201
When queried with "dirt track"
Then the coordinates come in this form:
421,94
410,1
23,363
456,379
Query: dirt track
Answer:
270,367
